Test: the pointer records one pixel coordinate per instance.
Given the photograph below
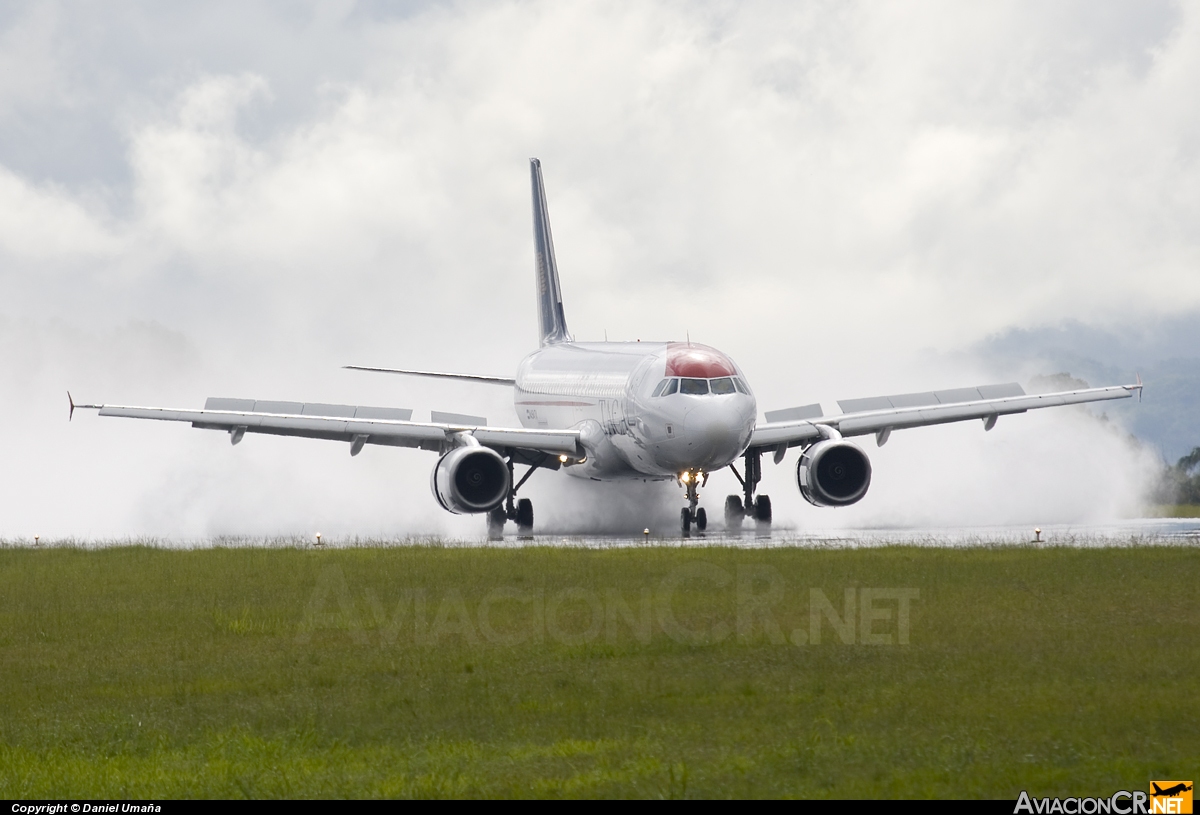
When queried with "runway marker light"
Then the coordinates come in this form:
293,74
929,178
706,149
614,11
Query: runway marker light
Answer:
36,540
319,539
1037,535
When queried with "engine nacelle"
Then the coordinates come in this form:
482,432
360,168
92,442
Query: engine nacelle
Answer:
833,473
469,480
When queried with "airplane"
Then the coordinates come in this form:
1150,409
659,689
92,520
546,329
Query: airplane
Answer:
652,411
1170,792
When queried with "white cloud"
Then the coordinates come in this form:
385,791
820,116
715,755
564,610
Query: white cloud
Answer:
47,224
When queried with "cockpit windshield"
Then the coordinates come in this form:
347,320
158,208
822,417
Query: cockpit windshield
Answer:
721,386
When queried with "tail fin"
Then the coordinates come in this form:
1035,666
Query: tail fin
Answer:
550,307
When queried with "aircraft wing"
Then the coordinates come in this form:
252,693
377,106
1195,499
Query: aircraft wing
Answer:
353,424
883,414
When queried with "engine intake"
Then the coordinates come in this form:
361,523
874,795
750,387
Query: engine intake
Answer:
833,473
468,480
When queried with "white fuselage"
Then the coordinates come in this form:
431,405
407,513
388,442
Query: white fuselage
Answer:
643,409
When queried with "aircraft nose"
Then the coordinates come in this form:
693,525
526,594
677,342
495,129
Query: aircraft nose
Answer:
718,432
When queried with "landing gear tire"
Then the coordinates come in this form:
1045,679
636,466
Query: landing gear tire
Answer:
495,523
762,509
525,516
701,519
685,521
735,513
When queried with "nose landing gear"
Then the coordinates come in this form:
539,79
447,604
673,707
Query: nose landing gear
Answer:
738,507
692,514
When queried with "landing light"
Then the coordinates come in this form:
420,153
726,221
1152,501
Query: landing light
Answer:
563,459
686,477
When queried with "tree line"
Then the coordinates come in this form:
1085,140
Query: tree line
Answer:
1180,483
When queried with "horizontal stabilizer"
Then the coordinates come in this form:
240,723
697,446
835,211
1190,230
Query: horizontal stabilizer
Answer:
493,380
794,414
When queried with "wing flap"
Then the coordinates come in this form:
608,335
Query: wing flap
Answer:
794,414
924,399
441,417
362,422
307,409
789,433
948,406
560,442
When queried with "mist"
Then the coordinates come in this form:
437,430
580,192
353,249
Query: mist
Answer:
238,200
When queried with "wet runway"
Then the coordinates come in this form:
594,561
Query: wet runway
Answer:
1130,532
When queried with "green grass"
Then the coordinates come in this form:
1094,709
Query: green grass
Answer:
141,672
1174,511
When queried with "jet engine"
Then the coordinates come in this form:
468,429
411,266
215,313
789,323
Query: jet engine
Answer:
833,473
470,479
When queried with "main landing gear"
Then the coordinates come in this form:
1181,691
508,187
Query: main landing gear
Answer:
692,513
737,507
513,509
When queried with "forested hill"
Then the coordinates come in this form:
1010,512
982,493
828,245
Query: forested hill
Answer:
1167,355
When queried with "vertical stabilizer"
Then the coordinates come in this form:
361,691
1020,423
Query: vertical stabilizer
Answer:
553,323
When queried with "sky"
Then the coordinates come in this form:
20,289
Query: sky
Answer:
235,199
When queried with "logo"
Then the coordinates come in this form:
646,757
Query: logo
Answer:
1171,797
1166,797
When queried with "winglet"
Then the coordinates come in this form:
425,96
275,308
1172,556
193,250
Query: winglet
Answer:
71,401
1138,386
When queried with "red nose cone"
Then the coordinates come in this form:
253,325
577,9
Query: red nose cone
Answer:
699,361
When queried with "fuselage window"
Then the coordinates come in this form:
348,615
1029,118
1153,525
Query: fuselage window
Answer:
741,386
693,387
722,386
658,391
672,387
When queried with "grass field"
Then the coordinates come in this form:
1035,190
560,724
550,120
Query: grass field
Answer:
650,671
1174,511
